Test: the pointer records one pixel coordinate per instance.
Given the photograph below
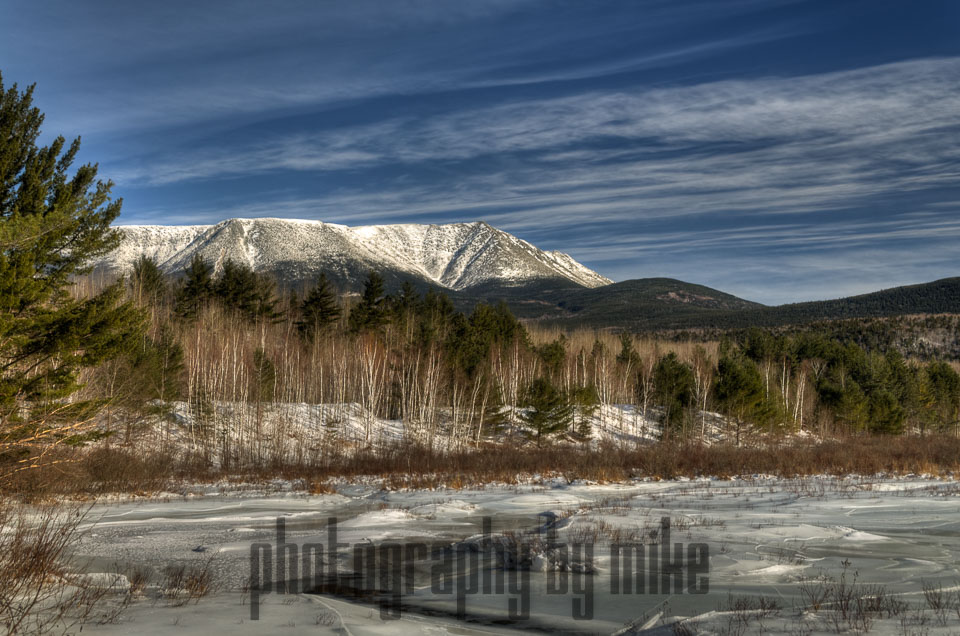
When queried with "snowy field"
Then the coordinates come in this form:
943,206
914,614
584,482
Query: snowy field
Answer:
817,555
297,430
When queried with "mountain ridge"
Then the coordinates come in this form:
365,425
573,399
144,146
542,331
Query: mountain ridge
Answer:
647,304
454,256
475,262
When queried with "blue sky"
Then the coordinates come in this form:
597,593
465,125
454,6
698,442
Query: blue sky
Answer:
780,150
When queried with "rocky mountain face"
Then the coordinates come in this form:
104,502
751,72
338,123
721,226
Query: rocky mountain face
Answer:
455,256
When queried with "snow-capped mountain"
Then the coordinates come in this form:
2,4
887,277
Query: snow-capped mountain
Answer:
456,256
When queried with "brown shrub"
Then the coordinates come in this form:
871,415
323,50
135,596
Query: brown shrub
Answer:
115,469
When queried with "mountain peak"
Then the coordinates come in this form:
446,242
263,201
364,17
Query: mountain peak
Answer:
455,256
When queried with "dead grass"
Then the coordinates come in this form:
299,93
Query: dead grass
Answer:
183,583
405,466
39,593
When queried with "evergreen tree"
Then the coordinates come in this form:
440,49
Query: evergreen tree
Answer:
493,417
598,351
886,413
152,371
548,411
148,283
554,354
243,290
166,364
370,312
436,312
585,401
853,407
403,306
739,387
673,389
51,225
944,383
319,309
903,382
759,345
264,376
196,289
264,391
628,356
470,340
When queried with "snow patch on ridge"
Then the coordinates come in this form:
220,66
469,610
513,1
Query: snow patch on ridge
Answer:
454,255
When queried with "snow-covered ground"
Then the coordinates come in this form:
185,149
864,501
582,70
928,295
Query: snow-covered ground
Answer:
810,547
294,430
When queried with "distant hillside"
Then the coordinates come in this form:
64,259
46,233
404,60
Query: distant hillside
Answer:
663,303
647,303
938,297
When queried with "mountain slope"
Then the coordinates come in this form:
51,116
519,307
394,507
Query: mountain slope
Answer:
455,256
662,303
936,297
646,303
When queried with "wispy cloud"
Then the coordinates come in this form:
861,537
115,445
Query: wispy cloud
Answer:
644,138
620,167
181,64
770,145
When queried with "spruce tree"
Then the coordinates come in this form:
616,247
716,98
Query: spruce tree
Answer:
585,401
436,312
628,356
406,299
403,306
548,411
52,223
243,290
944,388
370,313
739,388
148,283
553,355
319,309
673,388
196,289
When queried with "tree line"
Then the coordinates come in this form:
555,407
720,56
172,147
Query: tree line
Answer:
456,378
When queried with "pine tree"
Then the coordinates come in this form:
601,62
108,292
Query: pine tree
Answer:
152,373
51,225
406,300
403,307
885,412
370,312
628,356
319,309
554,354
436,313
673,389
586,401
739,388
243,290
944,387
548,411
196,290
148,282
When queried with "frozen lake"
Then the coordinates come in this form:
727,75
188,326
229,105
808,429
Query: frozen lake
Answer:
810,547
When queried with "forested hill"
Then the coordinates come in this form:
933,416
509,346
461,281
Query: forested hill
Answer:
663,303
937,297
